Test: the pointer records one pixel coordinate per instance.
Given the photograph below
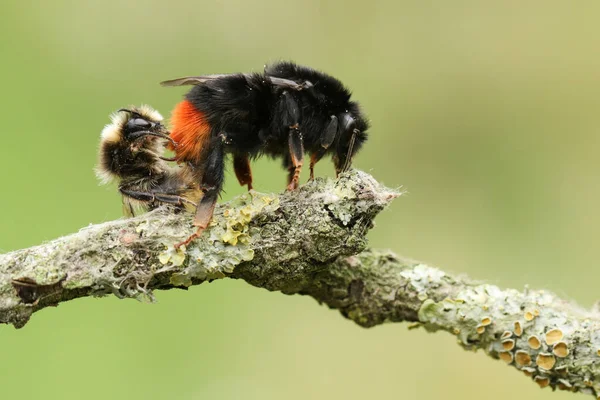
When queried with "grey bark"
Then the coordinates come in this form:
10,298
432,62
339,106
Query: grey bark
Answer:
310,242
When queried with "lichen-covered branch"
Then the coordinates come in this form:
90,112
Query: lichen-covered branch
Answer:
552,341
310,242
275,241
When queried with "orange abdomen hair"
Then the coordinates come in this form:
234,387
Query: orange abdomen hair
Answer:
190,130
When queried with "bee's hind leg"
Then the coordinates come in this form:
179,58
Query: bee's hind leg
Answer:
241,166
156,196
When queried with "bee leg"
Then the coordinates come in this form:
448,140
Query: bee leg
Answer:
172,199
314,159
329,134
350,152
327,138
287,164
290,178
212,182
204,214
345,147
296,156
289,117
241,166
155,196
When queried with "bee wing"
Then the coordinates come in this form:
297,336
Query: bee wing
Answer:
287,83
199,80
194,80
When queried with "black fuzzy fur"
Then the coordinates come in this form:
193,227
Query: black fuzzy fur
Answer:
249,115
299,110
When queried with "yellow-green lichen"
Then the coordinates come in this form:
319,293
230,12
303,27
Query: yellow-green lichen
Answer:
341,210
181,279
422,276
231,235
237,218
428,311
175,256
227,242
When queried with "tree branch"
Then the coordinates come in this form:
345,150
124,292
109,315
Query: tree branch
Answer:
310,242
273,241
552,341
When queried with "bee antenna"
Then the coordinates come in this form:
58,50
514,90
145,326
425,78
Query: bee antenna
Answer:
133,113
139,134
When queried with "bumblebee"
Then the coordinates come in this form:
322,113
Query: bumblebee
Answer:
131,149
286,111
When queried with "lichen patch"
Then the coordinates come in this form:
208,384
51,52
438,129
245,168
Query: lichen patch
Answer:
560,349
528,316
508,344
542,381
563,384
545,361
518,328
506,356
534,342
522,358
553,336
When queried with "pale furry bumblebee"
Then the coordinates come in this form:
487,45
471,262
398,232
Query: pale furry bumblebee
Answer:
131,151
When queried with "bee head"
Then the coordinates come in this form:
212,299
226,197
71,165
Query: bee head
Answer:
134,134
138,125
129,125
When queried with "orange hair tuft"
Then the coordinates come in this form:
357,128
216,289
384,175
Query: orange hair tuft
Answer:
190,130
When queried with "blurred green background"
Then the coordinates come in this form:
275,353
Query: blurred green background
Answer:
485,112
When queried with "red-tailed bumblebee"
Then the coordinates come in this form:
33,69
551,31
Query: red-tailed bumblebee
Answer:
284,112
131,149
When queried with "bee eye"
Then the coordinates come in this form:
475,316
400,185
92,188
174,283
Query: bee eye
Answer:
140,123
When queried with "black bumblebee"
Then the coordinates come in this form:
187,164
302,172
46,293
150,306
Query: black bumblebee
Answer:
284,112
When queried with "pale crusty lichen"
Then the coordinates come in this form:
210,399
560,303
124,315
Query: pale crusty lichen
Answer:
508,344
536,330
377,287
229,240
560,349
534,342
553,336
